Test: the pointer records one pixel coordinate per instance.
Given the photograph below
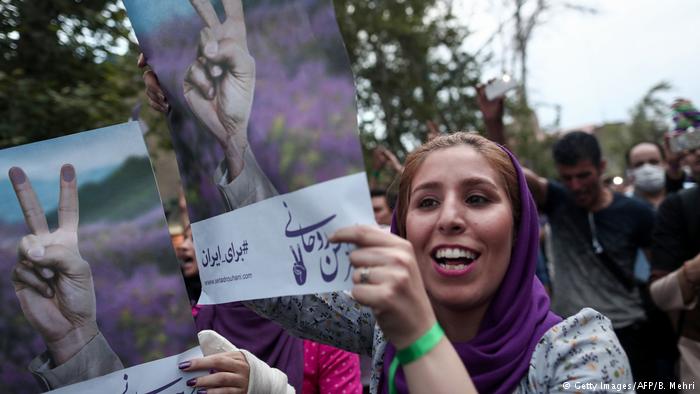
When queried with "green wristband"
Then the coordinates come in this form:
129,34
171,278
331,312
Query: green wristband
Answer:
416,350
421,346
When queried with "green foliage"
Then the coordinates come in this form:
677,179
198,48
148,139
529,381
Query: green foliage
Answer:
409,68
648,123
60,70
649,116
615,140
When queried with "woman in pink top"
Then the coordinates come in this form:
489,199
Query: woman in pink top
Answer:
329,370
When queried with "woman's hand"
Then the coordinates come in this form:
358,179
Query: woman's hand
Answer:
387,279
231,370
154,92
231,373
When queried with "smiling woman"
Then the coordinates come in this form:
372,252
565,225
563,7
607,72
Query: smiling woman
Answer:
450,301
461,224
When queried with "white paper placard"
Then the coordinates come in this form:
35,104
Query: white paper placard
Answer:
160,376
279,246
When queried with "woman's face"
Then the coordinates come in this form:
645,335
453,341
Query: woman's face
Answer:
185,253
460,223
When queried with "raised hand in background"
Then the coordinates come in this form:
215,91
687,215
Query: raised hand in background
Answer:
52,281
492,112
673,159
383,157
219,85
154,92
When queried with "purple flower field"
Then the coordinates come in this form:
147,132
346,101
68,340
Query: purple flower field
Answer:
142,307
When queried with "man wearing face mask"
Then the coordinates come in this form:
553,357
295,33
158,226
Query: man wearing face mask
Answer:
653,178
651,175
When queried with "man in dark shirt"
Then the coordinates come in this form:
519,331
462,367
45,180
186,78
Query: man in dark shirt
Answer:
595,237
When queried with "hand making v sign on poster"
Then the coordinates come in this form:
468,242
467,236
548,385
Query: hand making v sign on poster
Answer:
52,281
268,85
219,85
91,284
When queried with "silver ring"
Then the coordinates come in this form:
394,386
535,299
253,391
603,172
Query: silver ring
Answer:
364,275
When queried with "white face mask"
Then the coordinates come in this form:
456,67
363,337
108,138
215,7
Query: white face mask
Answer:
649,178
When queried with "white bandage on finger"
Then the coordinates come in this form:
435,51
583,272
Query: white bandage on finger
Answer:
263,379
212,343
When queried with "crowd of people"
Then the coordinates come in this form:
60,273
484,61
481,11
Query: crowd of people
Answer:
448,292
448,287
452,296
453,265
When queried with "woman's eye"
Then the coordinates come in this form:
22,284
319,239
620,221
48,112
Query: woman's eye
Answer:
477,199
427,203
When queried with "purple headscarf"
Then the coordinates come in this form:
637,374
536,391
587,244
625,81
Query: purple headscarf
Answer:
499,355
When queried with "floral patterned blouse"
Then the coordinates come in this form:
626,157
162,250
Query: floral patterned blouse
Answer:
580,354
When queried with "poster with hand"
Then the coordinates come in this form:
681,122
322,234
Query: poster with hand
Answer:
264,124
90,283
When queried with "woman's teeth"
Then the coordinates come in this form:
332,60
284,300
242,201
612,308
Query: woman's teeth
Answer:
454,253
453,267
454,259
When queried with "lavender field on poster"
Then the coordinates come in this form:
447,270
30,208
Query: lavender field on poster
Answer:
262,111
141,305
301,126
